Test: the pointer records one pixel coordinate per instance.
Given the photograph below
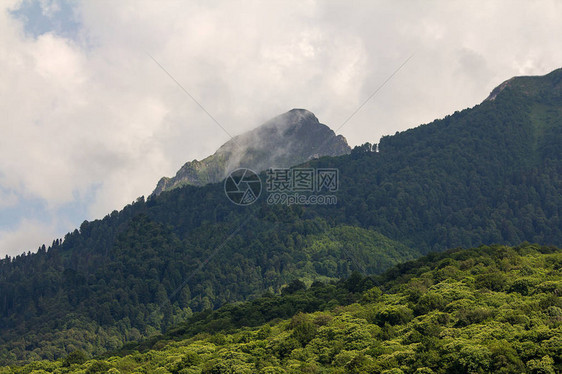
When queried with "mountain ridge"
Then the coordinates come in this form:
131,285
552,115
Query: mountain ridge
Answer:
528,84
285,140
489,174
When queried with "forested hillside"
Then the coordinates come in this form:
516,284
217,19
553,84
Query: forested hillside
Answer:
141,288
484,310
490,174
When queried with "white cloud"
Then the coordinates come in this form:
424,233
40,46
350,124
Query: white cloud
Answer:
27,236
95,110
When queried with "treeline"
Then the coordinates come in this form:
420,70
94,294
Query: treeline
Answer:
483,310
490,174
150,279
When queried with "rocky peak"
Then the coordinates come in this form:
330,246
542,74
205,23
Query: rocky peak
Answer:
549,85
286,140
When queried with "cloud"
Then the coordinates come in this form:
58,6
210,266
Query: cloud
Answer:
27,236
90,120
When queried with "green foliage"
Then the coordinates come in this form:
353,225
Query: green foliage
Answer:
394,315
294,286
542,366
74,358
150,281
303,329
457,326
372,295
428,302
490,174
98,367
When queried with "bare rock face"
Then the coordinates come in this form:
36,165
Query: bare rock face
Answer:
286,140
546,86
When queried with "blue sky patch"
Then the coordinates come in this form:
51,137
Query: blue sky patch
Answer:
48,16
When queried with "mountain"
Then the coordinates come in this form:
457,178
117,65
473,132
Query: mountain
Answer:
544,88
489,174
483,310
286,140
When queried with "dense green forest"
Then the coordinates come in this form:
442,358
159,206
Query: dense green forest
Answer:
140,290
485,310
490,174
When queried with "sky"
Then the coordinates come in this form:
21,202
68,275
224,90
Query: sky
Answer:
93,114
